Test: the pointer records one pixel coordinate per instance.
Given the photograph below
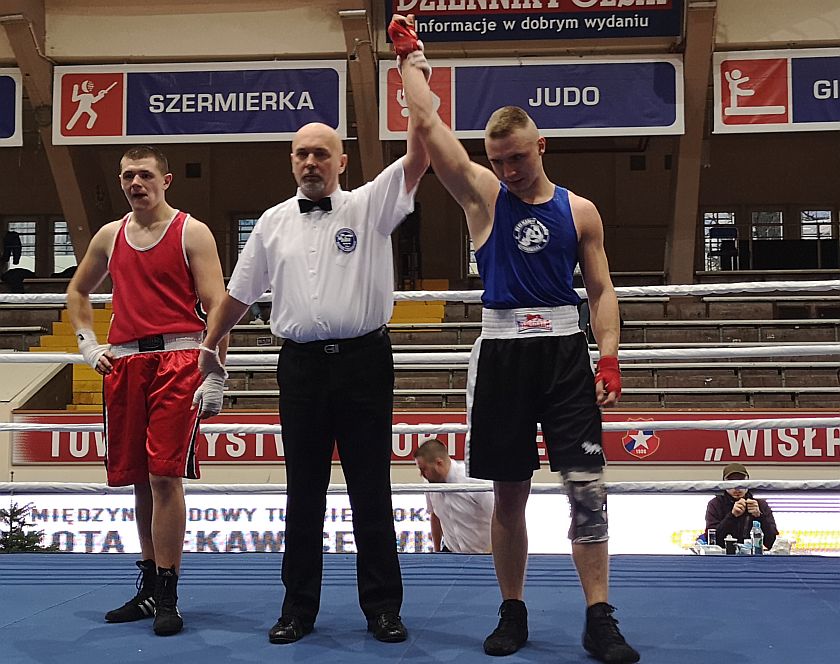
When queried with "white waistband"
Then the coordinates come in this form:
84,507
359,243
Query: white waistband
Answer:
530,321
170,342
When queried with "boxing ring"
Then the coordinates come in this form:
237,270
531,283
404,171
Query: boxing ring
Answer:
672,608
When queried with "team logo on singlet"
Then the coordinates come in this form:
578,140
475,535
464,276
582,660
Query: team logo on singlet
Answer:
531,235
346,240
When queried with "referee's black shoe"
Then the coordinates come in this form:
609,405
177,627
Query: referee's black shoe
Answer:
142,605
168,619
387,627
288,629
512,632
602,639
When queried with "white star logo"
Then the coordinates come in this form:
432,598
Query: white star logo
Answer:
640,440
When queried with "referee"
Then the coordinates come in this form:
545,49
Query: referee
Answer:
326,255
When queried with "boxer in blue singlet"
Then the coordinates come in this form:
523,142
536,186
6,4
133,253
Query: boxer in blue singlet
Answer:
531,363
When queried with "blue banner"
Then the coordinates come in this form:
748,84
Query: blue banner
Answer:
528,20
633,95
196,103
259,101
11,97
816,89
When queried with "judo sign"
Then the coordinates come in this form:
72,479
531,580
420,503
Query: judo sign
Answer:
641,443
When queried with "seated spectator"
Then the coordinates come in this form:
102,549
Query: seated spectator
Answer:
460,520
14,278
733,511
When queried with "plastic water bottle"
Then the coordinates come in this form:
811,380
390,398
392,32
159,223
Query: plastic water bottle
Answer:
757,536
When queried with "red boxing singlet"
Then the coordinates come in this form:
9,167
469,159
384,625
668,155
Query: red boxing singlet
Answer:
153,288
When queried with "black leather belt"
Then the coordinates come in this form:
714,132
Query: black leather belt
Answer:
331,346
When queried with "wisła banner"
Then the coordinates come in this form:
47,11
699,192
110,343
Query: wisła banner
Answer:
502,20
196,103
566,97
11,104
641,444
766,91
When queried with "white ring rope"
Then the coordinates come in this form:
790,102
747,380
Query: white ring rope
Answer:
461,357
724,352
475,295
633,425
675,290
542,488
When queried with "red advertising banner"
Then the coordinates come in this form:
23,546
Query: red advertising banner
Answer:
647,445
806,445
37,447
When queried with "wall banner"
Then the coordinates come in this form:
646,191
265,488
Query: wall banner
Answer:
196,103
528,20
566,97
639,445
11,108
767,91
256,523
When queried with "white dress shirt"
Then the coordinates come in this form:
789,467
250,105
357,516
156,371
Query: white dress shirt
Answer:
331,274
464,516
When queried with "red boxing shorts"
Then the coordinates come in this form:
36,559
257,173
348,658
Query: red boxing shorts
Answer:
149,425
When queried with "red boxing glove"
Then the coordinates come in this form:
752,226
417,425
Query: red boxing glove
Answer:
607,370
404,37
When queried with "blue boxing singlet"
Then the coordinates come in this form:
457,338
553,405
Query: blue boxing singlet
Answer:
530,257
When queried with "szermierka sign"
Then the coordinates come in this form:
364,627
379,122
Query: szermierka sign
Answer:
196,103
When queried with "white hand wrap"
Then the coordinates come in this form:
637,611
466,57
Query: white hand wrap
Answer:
209,396
210,363
416,59
90,348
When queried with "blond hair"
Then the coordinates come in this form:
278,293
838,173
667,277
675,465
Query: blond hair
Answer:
506,120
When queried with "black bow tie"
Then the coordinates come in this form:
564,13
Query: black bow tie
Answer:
307,206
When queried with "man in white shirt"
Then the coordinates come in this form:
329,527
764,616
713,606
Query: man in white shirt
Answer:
326,255
460,520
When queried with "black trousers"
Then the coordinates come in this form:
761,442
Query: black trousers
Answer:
344,398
